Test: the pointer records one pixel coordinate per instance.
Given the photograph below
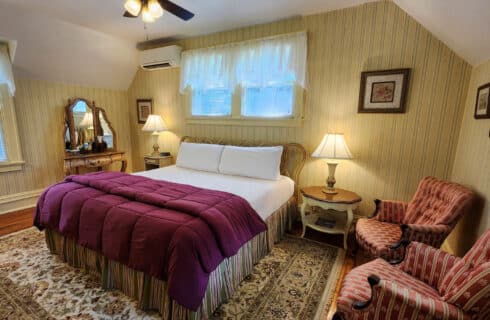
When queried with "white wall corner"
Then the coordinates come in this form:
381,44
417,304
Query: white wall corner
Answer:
19,201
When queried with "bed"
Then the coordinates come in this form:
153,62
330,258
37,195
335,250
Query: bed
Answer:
274,201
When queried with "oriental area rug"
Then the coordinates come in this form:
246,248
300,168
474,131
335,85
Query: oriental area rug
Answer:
295,281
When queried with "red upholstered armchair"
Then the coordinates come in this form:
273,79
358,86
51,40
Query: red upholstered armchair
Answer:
429,218
427,284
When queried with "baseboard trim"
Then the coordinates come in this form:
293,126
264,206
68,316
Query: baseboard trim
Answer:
19,201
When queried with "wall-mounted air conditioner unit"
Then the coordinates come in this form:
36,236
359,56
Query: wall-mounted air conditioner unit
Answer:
159,58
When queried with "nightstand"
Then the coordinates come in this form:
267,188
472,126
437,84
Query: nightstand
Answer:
155,162
342,204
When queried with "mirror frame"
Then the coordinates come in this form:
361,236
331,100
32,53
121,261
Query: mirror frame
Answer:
69,123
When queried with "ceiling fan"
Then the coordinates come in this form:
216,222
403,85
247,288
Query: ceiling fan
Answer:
151,10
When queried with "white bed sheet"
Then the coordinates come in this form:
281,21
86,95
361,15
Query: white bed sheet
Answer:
265,196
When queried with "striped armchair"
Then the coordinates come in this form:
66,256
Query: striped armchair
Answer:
427,284
429,218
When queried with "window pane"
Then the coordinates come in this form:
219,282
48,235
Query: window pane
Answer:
211,102
268,102
3,151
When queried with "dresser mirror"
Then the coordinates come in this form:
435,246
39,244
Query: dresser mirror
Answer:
87,129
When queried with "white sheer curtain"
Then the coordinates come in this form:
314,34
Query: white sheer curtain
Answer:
258,62
6,74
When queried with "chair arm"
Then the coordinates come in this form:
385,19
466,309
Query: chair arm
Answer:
389,211
427,263
432,234
391,300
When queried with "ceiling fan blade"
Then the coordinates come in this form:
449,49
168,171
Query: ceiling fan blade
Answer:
128,15
176,10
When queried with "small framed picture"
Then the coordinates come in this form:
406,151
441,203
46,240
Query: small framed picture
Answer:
383,91
482,108
144,107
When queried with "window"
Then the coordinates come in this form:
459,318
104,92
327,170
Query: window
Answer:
10,152
3,150
257,80
211,102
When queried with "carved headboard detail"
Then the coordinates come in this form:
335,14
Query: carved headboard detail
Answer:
292,160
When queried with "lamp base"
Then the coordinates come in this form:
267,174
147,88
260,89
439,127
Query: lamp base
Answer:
329,191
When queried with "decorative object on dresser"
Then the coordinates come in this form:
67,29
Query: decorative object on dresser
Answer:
155,124
90,140
343,201
424,283
155,162
383,91
332,147
429,217
482,106
144,107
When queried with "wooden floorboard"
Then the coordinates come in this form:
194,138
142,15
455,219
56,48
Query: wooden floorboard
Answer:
16,221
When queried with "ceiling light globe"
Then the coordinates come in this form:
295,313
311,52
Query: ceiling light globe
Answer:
146,15
155,9
133,6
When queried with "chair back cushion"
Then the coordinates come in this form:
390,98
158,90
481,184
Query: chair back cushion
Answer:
438,202
467,284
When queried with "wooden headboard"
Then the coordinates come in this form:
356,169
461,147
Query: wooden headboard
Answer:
292,160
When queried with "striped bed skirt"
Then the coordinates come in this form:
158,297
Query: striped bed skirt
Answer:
151,293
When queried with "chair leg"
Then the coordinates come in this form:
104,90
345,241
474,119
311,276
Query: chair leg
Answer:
338,316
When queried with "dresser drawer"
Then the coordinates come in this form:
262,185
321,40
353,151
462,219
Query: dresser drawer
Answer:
98,162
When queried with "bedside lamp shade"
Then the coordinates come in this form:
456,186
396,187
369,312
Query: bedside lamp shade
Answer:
332,147
155,124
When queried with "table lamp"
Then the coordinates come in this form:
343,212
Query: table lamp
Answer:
155,124
332,147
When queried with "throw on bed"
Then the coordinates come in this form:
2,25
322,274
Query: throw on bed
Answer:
174,232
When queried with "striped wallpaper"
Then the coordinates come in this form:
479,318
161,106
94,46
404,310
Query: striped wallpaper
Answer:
472,165
40,113
392,151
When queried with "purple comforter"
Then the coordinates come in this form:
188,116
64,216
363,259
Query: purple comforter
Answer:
175,232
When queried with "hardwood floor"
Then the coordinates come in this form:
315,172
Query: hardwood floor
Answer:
15,221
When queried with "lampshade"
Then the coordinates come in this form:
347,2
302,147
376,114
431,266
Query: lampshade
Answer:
154,123
133,6
333,146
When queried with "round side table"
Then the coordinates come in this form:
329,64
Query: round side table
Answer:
343,202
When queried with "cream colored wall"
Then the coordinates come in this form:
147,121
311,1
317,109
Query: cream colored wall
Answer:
40,115
472,165
392,151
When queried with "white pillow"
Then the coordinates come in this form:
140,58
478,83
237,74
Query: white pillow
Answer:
199,156
254,162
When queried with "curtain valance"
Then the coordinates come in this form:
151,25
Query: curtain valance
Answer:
258,62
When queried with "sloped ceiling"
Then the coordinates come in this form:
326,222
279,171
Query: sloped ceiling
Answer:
55,50
88,42
463,25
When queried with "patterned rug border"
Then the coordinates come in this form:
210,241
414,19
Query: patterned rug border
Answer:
328,292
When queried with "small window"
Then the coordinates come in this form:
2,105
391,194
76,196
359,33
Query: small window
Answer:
211,103
3,151
275,101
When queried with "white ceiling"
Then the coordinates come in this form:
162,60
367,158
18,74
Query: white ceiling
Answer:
463,25
88,42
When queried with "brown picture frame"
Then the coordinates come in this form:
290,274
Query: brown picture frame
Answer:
140,113
390,94
482,90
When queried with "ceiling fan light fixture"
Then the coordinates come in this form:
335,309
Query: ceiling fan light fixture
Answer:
146,15
155,8
133,6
